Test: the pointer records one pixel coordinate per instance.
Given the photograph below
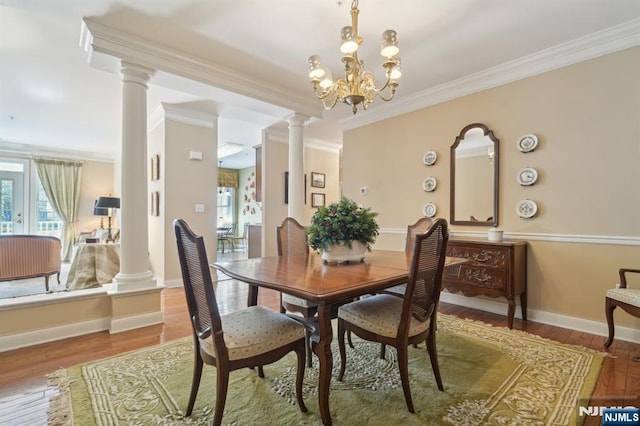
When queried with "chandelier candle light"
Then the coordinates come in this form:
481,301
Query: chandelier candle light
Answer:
358,86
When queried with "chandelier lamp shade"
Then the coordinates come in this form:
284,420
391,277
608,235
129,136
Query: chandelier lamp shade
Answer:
358,87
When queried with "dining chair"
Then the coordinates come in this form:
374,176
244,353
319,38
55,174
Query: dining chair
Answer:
292,240
419,227
399,322
624,297
249,337
239,238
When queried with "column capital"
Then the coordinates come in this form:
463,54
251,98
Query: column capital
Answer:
296,119
135,73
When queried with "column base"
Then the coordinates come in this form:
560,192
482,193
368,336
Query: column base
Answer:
137,281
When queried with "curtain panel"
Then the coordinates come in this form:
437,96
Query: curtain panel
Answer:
61,182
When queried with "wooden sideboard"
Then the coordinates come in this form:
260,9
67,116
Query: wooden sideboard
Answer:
495,269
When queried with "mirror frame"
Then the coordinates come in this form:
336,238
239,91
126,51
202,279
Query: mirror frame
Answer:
496,163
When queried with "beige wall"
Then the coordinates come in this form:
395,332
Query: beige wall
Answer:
586,118
183,184
275,163
97,180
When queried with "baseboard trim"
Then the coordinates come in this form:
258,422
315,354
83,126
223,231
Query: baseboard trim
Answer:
172,283
587,326
118,325
36,337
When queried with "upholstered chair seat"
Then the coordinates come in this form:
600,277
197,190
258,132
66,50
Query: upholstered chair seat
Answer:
624,297
254,331
380,314
290,299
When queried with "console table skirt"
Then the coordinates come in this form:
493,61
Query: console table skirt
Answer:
93,265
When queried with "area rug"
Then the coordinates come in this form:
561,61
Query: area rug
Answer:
491,375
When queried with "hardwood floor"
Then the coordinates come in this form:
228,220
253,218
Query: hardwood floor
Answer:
23,371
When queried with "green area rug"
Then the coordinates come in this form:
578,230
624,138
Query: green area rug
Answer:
491,375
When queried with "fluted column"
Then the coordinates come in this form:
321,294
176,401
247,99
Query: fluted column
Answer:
296,166
134,236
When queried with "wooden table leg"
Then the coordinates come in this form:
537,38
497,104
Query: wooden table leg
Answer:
322,348
252,296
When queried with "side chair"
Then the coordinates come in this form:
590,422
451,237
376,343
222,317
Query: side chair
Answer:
399,322
623,296
292,240
249,337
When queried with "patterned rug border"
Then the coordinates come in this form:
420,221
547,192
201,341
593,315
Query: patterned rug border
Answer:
60,412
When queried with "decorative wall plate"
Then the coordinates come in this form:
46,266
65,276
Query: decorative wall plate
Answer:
527,143
527,176
430,210
429,184
430,158
527,208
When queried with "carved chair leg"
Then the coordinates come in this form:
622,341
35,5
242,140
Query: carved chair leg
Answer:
343,351
608,310
300,375
195,381
433,356
403,365
221,395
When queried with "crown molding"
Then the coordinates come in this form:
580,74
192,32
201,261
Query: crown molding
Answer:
23,150
601,43
99,39
166,111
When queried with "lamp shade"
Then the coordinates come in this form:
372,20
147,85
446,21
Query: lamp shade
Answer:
99,211
108,202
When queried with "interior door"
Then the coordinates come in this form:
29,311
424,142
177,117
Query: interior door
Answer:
11,203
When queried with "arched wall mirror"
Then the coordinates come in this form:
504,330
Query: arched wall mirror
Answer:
474,177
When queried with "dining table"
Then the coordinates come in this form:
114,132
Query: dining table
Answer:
328,284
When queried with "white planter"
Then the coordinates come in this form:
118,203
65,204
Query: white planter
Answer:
494,234
341,253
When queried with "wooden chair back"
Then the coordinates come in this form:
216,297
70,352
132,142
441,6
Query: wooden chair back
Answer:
198,286
291,238
425,274
419,227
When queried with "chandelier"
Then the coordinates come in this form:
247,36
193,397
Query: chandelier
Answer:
358,86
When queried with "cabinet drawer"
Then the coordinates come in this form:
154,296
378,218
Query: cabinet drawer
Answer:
488,257
479,277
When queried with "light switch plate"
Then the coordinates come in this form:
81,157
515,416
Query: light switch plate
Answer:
199,208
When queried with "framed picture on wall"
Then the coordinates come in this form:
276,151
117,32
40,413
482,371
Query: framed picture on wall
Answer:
317,199
317,180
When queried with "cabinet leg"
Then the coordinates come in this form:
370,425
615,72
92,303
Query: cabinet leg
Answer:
511,312
523,305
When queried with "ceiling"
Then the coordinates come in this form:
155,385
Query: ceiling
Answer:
52,97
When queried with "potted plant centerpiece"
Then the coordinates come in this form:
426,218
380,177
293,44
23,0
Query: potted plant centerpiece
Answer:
342,231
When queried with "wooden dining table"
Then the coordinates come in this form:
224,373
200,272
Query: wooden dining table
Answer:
328,285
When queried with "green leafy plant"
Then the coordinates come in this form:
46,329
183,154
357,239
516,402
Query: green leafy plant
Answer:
342,222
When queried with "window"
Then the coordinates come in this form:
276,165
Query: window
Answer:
226,201
47,221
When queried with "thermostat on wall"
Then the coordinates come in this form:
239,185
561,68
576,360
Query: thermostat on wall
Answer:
195,155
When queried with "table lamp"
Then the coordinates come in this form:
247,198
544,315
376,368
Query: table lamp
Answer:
109,203
100,211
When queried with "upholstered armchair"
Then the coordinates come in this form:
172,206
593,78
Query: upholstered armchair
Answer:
623,296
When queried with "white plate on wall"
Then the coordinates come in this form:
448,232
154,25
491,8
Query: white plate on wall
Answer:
430,158
527,143
527,208
429,184
430,210
527,176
